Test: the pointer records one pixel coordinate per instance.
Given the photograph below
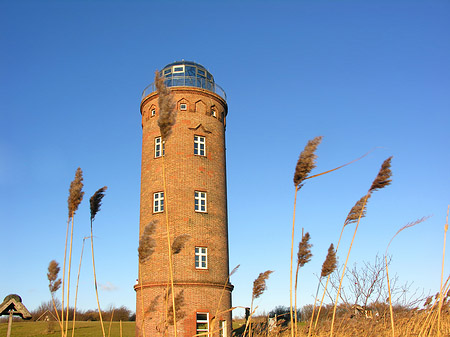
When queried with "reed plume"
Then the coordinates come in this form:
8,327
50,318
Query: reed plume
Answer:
54,283
303,257
305,164
75,197
357,211
330,263
259,286
382,180
147,243
179,303
306,161
95,202
52,276
75,193
167,105
179,242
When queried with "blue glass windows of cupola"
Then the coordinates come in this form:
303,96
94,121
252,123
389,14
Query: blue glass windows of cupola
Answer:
185,73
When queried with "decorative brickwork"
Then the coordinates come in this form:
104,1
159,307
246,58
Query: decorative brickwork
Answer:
185,174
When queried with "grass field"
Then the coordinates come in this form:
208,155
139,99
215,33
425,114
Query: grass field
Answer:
82,329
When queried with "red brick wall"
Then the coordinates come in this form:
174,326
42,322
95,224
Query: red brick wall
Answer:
185,174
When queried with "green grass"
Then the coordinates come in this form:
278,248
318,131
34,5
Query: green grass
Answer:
82,329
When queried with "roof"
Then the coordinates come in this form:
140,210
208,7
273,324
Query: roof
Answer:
14,303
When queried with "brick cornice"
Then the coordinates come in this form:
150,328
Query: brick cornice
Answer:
228,287
189,90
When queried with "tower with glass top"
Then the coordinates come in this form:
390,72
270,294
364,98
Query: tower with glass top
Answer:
196,205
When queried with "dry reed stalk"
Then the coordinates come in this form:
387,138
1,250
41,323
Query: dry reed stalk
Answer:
408,225
75,197
166,120
382,180
303,257
110,323
95,203
76,289
259,286
339,167
63,294
223,292
305,164
328,266
54,283
442,274
360,207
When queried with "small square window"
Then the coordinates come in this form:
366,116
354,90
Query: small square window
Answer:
201,258
200,201
183,106
158,202
199,145
153,112
160,147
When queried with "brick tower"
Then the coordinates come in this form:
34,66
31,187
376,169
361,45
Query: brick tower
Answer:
196,202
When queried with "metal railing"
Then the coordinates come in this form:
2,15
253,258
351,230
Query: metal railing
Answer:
188,81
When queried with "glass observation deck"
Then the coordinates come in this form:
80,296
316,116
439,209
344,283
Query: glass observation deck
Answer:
187,74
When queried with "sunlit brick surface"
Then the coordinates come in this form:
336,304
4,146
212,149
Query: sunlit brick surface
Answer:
185,174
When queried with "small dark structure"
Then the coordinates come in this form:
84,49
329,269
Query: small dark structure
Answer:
12,305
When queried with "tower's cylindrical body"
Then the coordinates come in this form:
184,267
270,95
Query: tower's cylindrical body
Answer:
195,201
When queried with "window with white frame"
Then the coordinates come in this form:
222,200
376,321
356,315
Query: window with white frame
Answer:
201,258
214,113
223,329
202,323
159,147
178,69
183,106
153,112
200,201
199,145
158,202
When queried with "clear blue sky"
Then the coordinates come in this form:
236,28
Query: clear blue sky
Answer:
363,74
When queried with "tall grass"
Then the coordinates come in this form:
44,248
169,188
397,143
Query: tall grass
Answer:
259,286
76,289
54,283
305,164
411,224
382,180
95,202
303,257
441,299
328,266
75,197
